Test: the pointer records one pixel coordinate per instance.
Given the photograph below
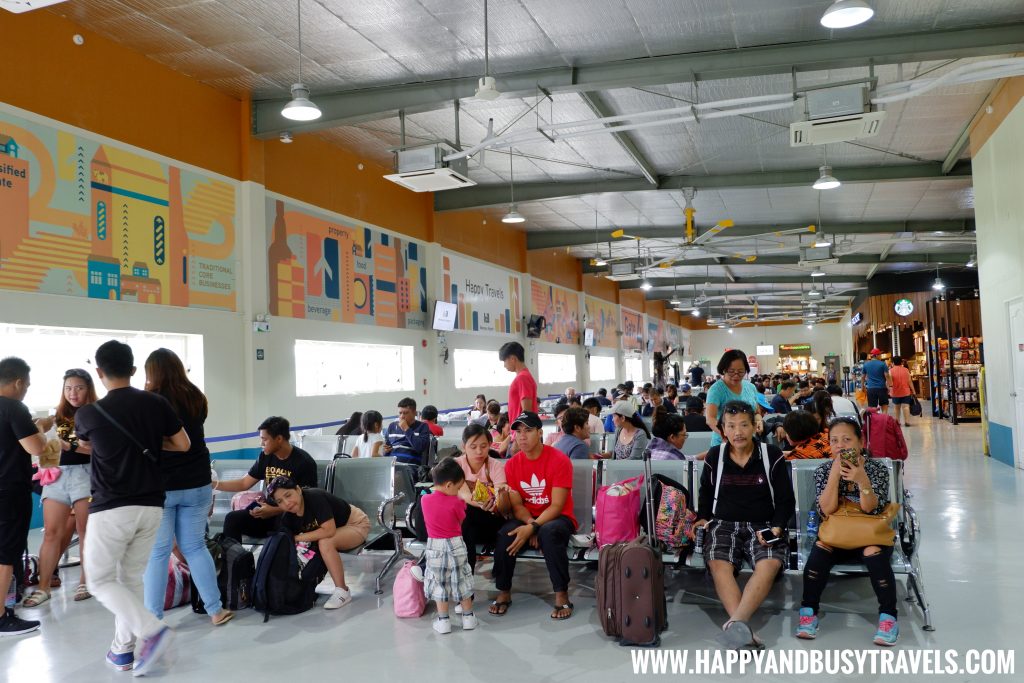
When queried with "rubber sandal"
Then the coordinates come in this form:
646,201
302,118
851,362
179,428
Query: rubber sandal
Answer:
569,606
36,599
82,593
223,617
499,607
737,634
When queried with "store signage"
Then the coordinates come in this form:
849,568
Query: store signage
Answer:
766,350
855,320
795,349
904,307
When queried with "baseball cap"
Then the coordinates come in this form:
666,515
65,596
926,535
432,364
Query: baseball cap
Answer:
528,419
685,387
763,402
624,408
875,352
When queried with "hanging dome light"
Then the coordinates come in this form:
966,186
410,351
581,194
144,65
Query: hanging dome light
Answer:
301,108
973,261
600,262
822,241
846,13
938,285
826,181
487,89
646,286
513,216
817,272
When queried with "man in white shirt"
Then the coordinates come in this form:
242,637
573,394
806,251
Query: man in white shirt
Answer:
593,407
842,406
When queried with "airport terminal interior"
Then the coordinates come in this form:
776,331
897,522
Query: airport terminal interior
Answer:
325,208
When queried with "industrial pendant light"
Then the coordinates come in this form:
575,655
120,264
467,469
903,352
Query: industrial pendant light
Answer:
512,216
301,108
938,285
817,272
486,88
972,262
826,181
846,13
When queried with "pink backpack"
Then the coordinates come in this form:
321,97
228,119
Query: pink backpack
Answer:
618,512
179,585
410,601
244,499
883,436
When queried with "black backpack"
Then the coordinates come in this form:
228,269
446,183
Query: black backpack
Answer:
217,553
279,587
236,576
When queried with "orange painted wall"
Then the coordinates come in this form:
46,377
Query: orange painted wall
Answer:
656,309
495,242
327,176
113,91
601,287
633,298
556,267
1002,101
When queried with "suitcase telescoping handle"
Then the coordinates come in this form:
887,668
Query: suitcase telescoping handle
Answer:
651,539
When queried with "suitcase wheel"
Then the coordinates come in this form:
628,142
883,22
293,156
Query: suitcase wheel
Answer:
647,622
628,572
626,621
644,572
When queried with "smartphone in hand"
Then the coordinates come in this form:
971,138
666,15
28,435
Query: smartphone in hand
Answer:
768,537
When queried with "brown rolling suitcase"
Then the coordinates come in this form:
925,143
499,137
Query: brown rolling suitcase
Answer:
631,586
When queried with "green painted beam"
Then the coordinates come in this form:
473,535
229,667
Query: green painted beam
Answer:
856,280
553,239
943,258
370,104
484,196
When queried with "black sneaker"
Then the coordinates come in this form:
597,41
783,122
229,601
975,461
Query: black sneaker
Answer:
11,625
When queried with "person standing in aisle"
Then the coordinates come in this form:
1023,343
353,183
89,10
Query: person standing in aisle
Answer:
902,390
522,393
127,430
878,382
20,439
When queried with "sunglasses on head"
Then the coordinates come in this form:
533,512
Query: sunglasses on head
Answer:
76,372
738,410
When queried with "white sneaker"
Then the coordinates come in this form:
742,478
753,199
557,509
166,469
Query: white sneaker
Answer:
443,626
469,622
339,598
325,587
458,609
417,572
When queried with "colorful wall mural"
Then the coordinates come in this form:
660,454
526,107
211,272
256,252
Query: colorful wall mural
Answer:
603,318
324,267
488,298
560,308
657,334
632,330
81,217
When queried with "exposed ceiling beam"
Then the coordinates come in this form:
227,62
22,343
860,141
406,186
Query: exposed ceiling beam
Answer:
943,258
483,196
715,294
553,239
370,104
602,110
856,280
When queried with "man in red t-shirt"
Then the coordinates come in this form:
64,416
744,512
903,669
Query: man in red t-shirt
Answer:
540,489
522,393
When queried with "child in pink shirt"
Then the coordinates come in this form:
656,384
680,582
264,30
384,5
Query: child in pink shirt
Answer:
448,577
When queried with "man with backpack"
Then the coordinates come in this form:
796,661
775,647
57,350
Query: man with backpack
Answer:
127,430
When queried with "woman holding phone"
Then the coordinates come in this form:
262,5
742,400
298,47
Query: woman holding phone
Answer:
864,481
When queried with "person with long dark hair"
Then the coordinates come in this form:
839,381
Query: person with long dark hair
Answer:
70,491
189,490
820,406
733,367
353,425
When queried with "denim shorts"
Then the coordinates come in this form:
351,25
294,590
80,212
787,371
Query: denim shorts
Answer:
72,486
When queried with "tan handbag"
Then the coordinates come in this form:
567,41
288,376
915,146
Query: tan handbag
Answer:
849,527
50,457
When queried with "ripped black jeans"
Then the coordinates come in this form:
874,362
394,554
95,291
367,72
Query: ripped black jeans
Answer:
820,563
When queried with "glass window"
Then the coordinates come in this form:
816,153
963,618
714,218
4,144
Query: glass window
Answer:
50,351
556,367
635,369
479,368
324,368
602,368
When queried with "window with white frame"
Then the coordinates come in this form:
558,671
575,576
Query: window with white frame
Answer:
479,368
602,368
556,367
326,368
635,369
49,351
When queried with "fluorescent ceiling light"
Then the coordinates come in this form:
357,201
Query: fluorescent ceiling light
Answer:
513,216
817,272
301,108
846,13
825,181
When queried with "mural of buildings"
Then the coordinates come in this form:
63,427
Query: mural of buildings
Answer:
561,310
326,267
603,318
75,210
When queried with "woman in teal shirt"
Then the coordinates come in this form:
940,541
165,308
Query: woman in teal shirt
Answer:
733,368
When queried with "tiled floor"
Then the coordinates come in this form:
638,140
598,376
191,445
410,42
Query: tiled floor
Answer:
973,558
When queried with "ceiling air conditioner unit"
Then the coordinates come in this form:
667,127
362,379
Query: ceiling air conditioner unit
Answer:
423,169
835,114
816,256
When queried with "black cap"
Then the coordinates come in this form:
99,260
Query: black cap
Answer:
528,419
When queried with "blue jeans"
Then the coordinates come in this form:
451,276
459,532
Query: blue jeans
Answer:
185,520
